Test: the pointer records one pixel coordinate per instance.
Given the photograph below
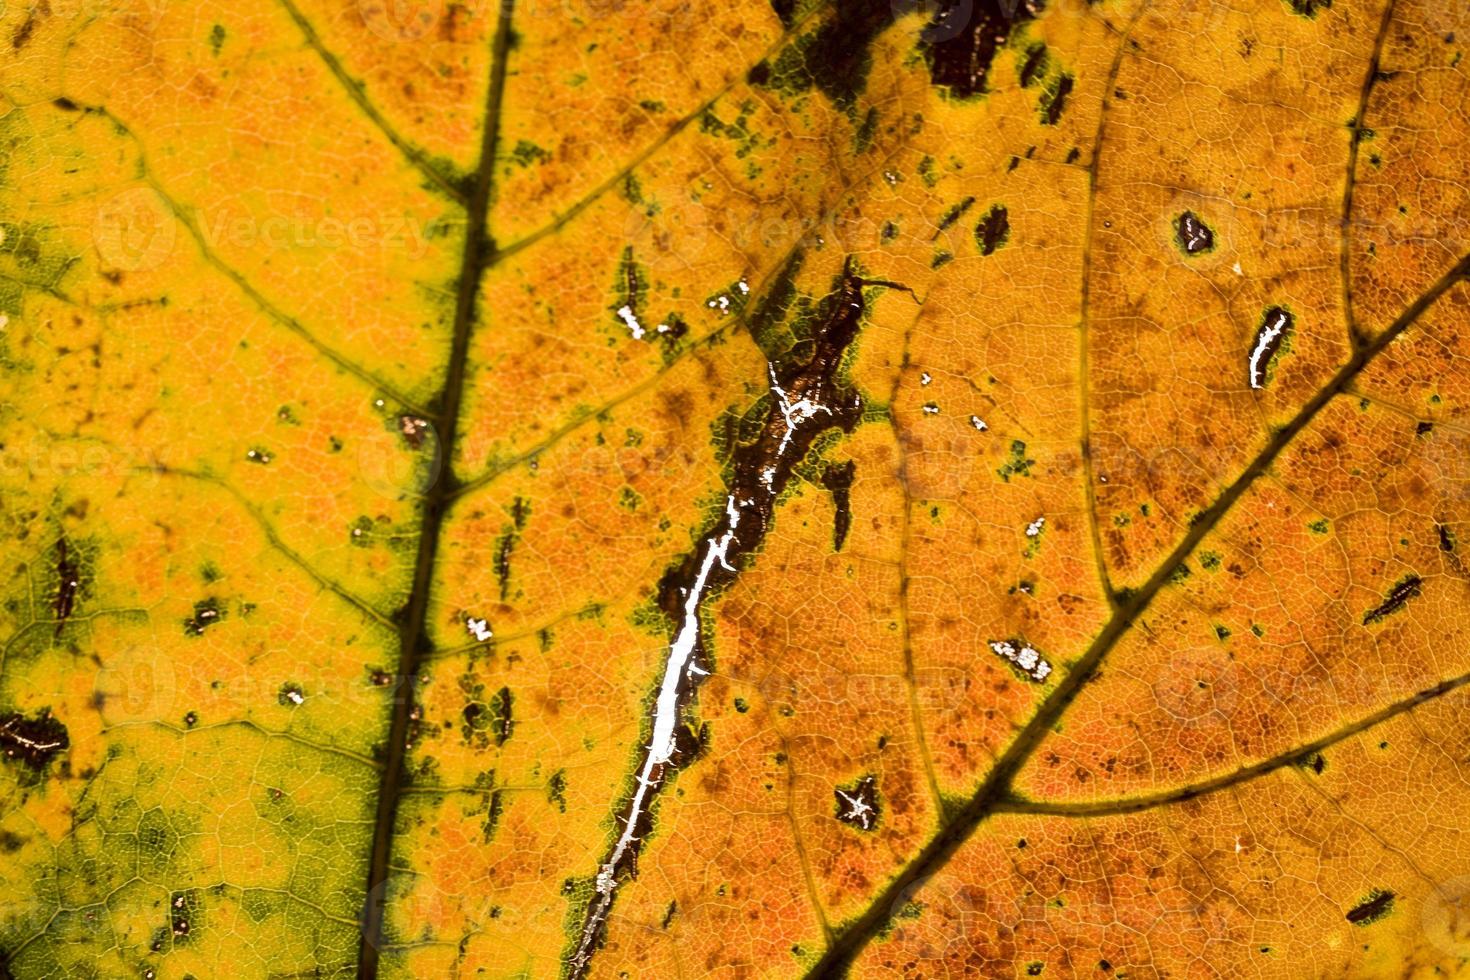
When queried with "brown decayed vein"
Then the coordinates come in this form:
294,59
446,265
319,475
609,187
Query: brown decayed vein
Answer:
805,401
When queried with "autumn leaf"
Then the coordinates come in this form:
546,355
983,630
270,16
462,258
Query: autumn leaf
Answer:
789,489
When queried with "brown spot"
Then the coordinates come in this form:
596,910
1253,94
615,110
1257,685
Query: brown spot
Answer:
23,33
33,741
69,578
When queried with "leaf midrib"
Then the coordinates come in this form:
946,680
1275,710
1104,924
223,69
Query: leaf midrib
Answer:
413,637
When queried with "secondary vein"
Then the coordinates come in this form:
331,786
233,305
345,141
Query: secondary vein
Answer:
995,789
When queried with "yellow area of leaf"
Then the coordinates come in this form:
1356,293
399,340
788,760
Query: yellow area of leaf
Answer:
377,375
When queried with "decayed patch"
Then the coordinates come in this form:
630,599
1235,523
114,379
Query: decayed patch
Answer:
1405,589
806,399
1275,328
1025,658
857,804
32,741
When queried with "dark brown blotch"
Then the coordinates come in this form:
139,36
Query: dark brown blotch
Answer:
32,741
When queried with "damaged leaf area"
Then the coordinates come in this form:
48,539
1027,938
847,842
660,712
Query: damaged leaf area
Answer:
800,489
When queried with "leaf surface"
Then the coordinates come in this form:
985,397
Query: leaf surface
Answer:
767,489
